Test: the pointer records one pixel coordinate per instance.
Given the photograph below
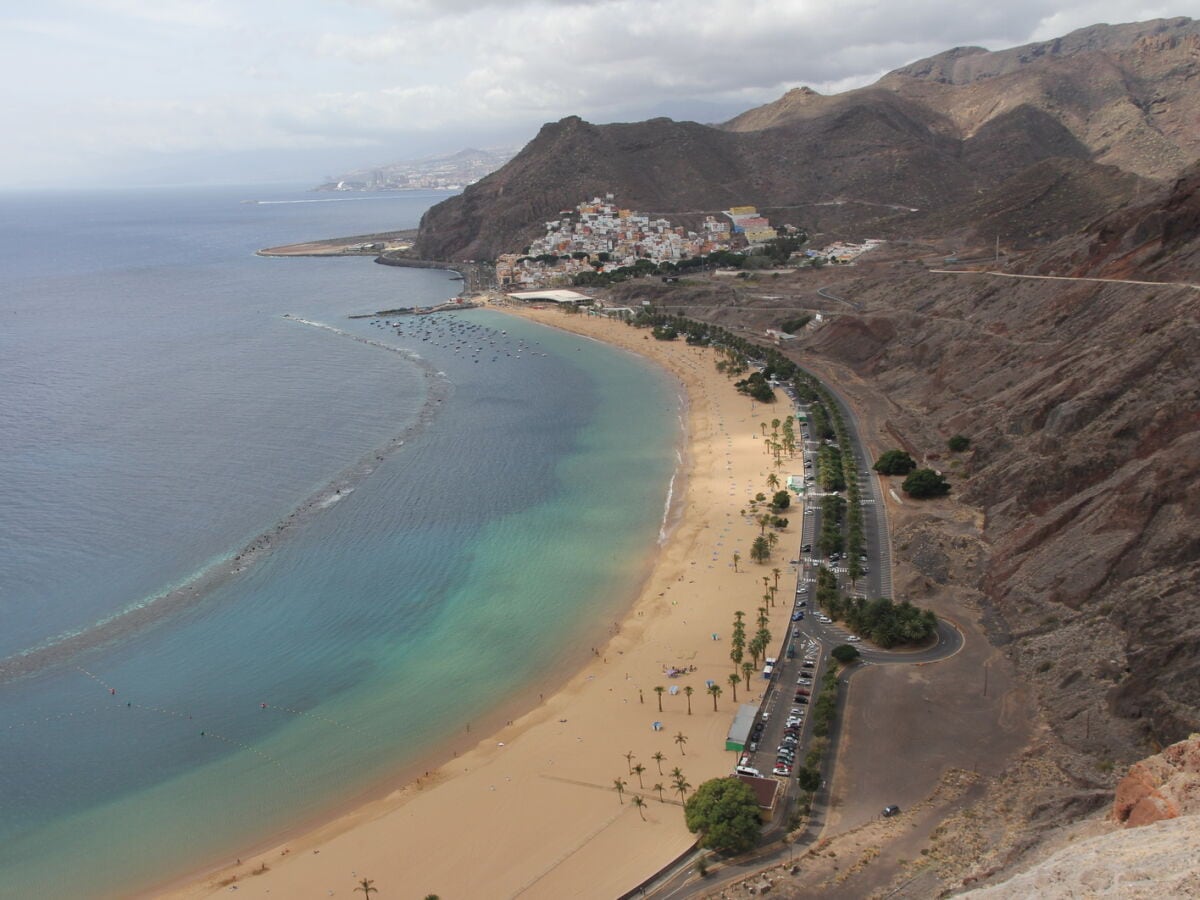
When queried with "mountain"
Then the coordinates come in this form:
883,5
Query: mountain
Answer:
1105,108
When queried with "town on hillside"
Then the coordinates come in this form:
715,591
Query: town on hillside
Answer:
598,242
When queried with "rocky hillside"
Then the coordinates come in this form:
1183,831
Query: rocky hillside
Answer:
1082,400
1150,847
1097,114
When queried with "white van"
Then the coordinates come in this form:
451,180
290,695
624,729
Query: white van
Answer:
748,770
768,671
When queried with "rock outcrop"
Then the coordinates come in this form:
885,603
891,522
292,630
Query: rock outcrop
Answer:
1165,786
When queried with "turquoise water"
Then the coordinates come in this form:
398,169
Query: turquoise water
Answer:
186,416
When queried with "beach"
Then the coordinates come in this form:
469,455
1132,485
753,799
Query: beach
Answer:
532,809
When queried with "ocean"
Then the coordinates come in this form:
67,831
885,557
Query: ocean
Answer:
258,559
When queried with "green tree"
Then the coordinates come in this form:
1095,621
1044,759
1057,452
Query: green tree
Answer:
925,483
958,443
844,653
687,692
619,787
640,803
747,671
725,813
781,501
734,680
660,690
367,886
895,462
714,691
773,481
760,550
680,739
809,779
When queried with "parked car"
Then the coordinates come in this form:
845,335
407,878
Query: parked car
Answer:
890,811
854,638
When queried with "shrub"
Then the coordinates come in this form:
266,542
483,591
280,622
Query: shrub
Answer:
895,462
925,483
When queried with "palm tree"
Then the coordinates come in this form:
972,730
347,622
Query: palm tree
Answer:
763,521
772,540
776,572
737,558
682,786
747,671
660,690
640,803
773,481
619,787
629,761
715,691
658,787
734,681
688,691
681,739
638,770
658,758
763,426
367,886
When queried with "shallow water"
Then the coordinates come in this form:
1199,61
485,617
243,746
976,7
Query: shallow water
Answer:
158,414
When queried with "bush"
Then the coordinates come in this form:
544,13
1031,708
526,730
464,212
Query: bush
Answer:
925,483
895,462
844,653
781,500
958,443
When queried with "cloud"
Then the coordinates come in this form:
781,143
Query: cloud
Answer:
279,73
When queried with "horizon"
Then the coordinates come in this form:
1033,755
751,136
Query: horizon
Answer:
112,93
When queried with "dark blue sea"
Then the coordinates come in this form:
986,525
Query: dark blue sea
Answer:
257,558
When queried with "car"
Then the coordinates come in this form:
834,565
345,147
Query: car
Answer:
802,691
797,711
807,548
854,639
797,616
808,664
800,699
795,632
889,811
825,620
793,724
782,770
808,511
752,746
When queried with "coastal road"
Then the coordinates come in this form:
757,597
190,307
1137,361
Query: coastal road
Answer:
804,657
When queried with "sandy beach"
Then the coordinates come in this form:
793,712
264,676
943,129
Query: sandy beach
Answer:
531,810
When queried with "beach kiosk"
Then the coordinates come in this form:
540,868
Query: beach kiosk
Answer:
739,731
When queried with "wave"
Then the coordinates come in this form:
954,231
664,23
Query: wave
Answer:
177,597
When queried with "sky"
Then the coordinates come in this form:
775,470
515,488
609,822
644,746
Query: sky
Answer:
141,92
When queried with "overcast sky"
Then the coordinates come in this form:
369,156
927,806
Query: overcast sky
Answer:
241,91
